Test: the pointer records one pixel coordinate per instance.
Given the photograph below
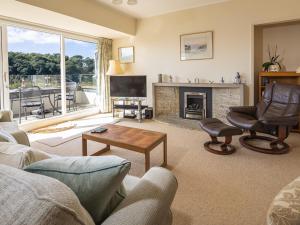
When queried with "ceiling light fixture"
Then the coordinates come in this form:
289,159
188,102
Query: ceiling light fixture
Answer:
129,2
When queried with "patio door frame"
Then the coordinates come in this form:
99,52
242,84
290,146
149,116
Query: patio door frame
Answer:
4,76
4,67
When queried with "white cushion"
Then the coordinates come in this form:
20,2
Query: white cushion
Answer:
19,156
5,135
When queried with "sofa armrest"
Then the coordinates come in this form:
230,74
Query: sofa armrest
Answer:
249,110
149,202
21,137
6,116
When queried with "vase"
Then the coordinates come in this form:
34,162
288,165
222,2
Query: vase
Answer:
274,68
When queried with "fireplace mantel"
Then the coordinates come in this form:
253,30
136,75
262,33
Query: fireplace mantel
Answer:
212,85
166,97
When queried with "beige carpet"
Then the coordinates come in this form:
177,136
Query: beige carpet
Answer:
213,190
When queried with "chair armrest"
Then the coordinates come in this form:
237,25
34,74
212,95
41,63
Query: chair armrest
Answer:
280,121
250,110
149,202
6,116
21,137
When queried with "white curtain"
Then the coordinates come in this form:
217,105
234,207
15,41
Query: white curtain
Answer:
103,57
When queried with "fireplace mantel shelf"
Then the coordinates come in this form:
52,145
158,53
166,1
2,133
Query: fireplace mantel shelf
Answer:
212,85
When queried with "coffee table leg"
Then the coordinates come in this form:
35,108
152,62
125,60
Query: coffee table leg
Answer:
106,149
147,161
165,153
84,147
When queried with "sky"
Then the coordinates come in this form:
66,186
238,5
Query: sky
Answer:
30,41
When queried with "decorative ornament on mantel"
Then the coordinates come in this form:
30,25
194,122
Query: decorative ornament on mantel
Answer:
273,64
129,2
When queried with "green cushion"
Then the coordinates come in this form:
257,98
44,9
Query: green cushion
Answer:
97,181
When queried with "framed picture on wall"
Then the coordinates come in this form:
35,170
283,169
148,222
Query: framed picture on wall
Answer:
196,46
126,54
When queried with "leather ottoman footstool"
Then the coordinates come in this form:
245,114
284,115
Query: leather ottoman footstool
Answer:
216,128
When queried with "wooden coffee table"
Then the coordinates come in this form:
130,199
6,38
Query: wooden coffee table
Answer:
133,139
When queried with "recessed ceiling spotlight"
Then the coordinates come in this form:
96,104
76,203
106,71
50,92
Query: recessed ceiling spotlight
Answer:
132,2
117,2
129,2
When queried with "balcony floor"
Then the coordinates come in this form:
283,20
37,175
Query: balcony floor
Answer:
49,114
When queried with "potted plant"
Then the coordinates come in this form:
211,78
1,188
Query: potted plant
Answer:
273,64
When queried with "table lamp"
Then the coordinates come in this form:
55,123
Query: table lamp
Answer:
114,68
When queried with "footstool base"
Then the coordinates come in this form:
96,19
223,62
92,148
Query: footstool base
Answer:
224,149
216,128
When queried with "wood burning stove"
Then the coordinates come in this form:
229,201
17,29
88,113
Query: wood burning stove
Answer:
194,105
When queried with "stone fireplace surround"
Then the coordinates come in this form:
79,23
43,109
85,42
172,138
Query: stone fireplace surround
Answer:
167,98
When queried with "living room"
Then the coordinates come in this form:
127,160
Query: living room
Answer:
149,112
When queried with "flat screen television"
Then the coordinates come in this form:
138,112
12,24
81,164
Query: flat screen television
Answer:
128,86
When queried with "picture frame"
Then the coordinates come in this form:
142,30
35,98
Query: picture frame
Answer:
126,54
196,46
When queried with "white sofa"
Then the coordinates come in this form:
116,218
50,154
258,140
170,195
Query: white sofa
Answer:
148,199
7,124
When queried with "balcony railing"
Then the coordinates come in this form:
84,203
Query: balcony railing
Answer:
85,94
84,81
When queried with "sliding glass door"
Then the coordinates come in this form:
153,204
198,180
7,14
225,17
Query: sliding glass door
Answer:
81,78
46,73
34,73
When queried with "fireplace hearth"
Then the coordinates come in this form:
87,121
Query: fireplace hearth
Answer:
194,105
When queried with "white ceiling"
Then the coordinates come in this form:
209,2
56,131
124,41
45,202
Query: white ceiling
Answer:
149,8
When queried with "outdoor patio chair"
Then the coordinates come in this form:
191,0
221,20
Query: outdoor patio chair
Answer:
31,98
71,88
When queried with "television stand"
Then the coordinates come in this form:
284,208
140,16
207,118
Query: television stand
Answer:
134,105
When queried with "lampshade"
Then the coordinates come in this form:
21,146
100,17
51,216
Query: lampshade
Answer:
298,70
114,68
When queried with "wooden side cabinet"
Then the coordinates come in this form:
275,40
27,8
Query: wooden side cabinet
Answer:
277,77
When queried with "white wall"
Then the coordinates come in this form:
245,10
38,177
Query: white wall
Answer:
157,40
287,38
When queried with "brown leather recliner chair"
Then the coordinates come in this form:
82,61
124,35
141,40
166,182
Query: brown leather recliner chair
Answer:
276,114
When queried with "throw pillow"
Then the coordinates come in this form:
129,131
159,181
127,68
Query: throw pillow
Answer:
285,208
5,136
95,180
28,198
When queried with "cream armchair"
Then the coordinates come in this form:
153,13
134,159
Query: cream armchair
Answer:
10,126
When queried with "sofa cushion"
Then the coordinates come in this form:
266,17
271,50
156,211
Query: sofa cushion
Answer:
19,156
285,208
28,199
95,180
